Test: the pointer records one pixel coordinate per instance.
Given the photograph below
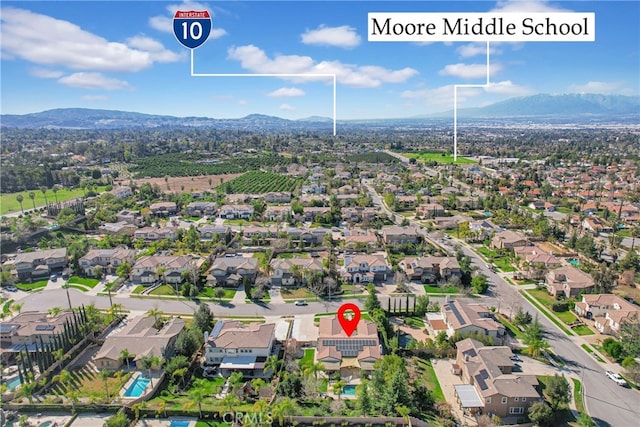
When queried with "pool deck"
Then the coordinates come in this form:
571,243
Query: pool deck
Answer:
56,420
165,422
134,377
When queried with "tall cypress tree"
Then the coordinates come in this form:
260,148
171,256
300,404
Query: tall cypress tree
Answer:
407,307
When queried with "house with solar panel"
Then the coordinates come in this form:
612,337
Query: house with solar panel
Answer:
491,386
350,356
236,347
470,318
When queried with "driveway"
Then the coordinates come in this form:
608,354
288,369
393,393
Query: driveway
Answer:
447,380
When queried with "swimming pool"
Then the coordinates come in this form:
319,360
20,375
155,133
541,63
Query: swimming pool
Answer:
137,387
574,262
45,424
13,383
179,423
349,390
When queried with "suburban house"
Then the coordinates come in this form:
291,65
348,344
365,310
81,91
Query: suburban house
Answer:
508,240
29,327
210,231
251,231
431,269
163,208
365,268
358,239
231,270
358,214
38,265
535,262
117,228
277,197
122,192
310,213
200,209
148,270
130,217
284,270
107,259
351,356
236,211
152,234
492,387
568,281
430,210
277,213
395,235
238,347
608,311
595,226
138,338
467,318
308,236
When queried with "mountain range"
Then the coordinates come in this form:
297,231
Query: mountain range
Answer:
538,108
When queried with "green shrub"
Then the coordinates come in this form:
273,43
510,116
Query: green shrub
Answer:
560,306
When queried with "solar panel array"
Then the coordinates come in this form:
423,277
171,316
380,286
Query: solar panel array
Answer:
350,347
456,313
45,327
480,381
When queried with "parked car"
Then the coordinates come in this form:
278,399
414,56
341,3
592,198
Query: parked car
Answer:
11,288
302,303
516,358
617,378
53,277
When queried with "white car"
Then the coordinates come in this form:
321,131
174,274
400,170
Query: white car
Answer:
301,303
617,378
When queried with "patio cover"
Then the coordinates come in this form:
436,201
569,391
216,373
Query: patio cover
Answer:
240,362
468,396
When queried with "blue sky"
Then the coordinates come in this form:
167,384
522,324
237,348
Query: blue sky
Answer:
123,55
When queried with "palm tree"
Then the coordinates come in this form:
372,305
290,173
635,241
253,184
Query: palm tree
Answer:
536,347
257,384
162,408
32,196
125,356
43,189
285,407
229,401
272,364
337,388
104,376
17,307
156,313
27,389
314,369
196,397
55,190
146,362
64,378
404,413
20,198
115,310
73,396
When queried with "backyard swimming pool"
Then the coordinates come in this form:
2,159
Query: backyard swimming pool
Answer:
179,423
13,383
349,390
137,387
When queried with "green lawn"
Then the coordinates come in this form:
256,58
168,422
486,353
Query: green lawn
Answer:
438,157
79,287
138,289
504,264
309,354
541,307
438,290
7,306
85,281
289,255
583,330
8,202
296,294
415,322
577,395
35,286
164,290
566,316
430,379
542,296
207,292
510,326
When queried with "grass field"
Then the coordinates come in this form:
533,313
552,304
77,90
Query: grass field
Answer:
430,379
296,294
438,157
577,395
207,292
9,204
85,281
511,327
164,290
546,311
440,290
415,322
32,286
583,330
309,354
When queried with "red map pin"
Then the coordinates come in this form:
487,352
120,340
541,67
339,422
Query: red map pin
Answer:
350,324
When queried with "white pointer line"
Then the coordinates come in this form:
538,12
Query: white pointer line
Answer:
455,106
273,75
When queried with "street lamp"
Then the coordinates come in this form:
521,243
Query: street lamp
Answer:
66,288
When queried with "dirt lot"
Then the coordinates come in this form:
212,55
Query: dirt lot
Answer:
186,183
554,249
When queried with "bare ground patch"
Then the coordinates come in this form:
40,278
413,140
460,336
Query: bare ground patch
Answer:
181,184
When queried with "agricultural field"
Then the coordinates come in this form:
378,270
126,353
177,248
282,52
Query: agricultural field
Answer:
372,157
439,157
185,183
259,182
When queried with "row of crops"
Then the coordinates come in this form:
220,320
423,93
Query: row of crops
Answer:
260,182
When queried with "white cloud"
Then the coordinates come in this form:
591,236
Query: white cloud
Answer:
95,98
524,6
285,92
474,49
287,107
468,71
256,60
45,73
343,36
25,35
606,88
93,81
508,88
164,23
